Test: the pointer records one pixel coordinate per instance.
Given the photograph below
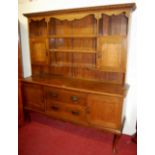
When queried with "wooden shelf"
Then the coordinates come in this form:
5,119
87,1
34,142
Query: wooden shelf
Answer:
81,65
38,37
73,36
73,50
83,36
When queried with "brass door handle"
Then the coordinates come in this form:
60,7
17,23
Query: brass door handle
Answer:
52,94
74,98
88,110
75,113
42,99
55,108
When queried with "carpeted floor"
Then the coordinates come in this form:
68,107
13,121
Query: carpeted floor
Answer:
45,136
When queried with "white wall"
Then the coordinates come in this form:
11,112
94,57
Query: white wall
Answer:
26,6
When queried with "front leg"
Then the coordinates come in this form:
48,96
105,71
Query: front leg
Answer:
27,116
115,141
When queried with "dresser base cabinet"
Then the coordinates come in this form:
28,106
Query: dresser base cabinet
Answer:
81,106
78,61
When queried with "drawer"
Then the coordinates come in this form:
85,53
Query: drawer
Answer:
66,112
75,113
65,96
54,107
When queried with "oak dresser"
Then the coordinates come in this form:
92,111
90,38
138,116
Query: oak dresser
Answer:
78,60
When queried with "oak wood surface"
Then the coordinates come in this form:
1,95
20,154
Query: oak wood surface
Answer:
68,112
105,110
112,53
33,96
80,85
64,96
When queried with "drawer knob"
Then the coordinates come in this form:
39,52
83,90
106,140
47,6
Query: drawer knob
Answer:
55,108
88,110
76,113
74,98
53,94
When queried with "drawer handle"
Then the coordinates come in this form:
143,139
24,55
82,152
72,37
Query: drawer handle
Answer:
53,94
74,98
76,113
88,110
55,108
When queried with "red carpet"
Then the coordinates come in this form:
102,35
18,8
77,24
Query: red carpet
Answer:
45,136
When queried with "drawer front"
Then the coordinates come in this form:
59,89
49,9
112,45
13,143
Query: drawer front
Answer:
75,113
33,96
54,108
66,112
65,96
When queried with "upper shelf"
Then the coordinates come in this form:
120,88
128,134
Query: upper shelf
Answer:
87,27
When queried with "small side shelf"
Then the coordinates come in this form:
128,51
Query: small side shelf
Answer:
33,38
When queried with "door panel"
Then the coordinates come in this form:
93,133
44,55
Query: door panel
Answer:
39,54
105,111
33,96
111,54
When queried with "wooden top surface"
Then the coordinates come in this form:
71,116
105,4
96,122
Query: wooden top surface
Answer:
79,85
131,6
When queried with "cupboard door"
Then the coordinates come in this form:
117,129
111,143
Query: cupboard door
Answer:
39,54
111,53
33,97
104,111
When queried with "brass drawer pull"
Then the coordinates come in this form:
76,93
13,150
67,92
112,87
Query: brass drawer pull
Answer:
55,108
52,94
74,98
75,113
88,110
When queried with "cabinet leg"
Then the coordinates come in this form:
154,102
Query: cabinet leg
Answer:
27,116
115,141
134,137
